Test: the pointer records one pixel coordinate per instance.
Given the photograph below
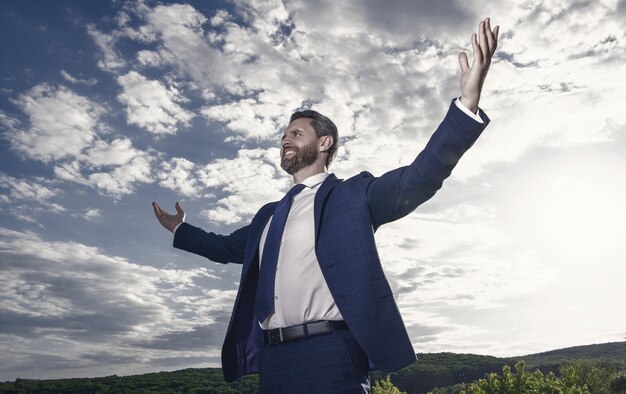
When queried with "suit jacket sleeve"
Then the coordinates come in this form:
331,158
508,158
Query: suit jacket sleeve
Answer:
398,192
219,248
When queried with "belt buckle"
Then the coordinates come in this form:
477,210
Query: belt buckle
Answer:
274,338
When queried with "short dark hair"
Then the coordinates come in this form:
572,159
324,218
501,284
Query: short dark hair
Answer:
322,126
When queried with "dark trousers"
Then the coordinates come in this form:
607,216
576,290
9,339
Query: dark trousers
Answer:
327,363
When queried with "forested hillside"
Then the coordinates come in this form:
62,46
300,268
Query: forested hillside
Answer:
592,365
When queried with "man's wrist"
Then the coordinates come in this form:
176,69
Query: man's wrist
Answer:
470,104
472,114
176,228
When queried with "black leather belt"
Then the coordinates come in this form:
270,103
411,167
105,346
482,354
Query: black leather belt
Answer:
278,335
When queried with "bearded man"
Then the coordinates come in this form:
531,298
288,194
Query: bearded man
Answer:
314,312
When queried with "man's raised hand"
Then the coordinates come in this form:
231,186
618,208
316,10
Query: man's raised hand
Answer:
472,78
167,220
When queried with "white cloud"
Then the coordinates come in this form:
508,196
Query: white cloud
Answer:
62,123
84,297
179,175
8,122
92,214
20,189
69,78
111,60
264,16
113,169
65,129
121,179
246,117
251,180
151,105
182,44
116,153
29,197
70,171
220,17
395,23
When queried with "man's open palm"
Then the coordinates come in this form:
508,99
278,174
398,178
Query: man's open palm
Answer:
169,221
472,78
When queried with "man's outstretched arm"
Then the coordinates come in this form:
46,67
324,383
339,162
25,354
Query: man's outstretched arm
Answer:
398,192
215,247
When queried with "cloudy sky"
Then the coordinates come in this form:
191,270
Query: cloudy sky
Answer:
106,106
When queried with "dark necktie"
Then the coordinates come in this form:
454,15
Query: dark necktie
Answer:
269,261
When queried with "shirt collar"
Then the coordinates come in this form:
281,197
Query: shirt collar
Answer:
315,180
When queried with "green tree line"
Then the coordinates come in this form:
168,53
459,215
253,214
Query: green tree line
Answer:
443,377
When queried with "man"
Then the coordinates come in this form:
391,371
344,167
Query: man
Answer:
314,311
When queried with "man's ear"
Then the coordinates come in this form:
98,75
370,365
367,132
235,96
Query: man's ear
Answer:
327,142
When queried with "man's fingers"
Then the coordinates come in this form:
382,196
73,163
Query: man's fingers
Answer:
478,56
179,209
490,37
463,62
482,42
496,33
157,209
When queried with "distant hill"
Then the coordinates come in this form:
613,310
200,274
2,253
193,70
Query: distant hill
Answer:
615,351
191,380
432,370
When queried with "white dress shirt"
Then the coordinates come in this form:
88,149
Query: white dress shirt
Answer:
301,294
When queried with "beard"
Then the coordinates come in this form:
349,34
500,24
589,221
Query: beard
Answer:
302,158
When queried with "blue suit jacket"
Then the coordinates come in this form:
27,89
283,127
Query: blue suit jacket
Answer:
347,213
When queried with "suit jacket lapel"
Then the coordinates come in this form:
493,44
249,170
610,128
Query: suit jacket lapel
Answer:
320,199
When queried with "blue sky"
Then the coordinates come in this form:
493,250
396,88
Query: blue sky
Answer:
107,106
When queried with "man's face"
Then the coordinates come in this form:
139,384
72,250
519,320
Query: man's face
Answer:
298,146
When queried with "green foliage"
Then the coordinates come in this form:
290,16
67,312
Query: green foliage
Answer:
460,388
618,385
576,377
522,382
384,386
595,376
